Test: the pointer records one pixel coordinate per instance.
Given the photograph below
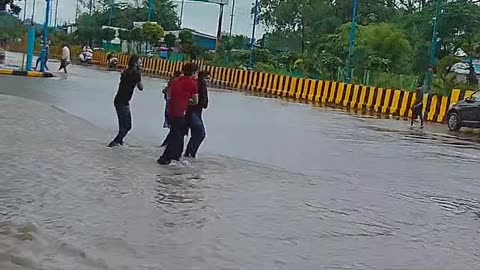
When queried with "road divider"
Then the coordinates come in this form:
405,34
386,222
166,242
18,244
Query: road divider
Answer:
361,98
35,74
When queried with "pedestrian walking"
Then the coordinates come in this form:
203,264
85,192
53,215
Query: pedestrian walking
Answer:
417,109
166,96
184,90
43,57
129,79
194,117
65,58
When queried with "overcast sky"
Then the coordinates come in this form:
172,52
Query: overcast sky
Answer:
202,17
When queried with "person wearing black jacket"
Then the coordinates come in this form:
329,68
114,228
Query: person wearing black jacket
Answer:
194,117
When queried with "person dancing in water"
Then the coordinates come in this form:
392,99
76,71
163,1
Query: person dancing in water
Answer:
166,96
129,79
184,90
194,117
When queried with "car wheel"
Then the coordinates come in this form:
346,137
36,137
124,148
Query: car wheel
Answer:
453,122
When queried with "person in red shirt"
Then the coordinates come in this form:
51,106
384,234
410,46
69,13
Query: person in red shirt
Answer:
183,92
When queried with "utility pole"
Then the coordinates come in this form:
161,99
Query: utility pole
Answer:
56,12
181,13
33,11
25,11
252,39
150,10
232,15
219,29
433,49
351,46
76,12
110,15
45,32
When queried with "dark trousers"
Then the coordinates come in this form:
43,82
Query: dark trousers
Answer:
124,121
63,65
197,130
174,149
39,60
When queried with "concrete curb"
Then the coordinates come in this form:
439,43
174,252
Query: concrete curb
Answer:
25,73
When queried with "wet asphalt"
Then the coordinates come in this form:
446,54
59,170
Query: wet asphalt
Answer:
353,191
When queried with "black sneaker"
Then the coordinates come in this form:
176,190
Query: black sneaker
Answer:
113,144
163,161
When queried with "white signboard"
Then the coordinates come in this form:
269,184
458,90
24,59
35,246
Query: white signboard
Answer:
220,2
140,24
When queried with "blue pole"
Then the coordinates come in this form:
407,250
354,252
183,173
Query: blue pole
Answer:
45,32
352,41
150,10
433,49
30,46
252,39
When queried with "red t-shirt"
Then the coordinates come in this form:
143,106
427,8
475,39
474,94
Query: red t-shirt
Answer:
182,90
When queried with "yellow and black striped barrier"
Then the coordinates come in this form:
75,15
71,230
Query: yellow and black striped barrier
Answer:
386,101
25,73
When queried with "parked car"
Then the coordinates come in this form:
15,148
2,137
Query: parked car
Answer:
465,113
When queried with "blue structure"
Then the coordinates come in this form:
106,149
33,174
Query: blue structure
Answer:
204,41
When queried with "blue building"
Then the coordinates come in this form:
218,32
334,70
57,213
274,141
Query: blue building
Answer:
204,41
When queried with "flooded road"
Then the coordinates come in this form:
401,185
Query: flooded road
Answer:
277,186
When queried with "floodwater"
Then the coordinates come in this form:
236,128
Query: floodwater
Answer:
277,186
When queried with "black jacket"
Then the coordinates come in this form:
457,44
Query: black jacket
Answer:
202,99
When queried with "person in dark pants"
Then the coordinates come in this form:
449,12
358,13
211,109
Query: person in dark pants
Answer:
166,96
194,117
42,57
129,79
417,110
184,90
65,58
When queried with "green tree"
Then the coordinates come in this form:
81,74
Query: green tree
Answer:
14,9
152,33
170,40
108,34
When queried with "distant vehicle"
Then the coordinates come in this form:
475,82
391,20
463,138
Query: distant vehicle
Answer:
2,55
465,113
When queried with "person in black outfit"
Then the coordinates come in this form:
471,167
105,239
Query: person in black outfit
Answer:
194,117
417,110
166,96
130,78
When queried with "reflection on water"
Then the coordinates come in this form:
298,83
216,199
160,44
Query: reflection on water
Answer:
386,199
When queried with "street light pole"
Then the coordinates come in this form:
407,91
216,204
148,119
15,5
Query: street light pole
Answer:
433,49
351,46
219,29
181,13
232,15
252,39
150,10
56,12
45,32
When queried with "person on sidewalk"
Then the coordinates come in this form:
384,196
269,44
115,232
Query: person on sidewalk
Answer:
65,58
194,117
184,90
129,79
166,96
417,110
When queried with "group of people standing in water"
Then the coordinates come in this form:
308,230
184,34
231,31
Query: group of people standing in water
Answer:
186,97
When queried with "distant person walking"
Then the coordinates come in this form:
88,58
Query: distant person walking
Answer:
194,117
129,79
183,90
166,96
417,110
65,58
43,57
